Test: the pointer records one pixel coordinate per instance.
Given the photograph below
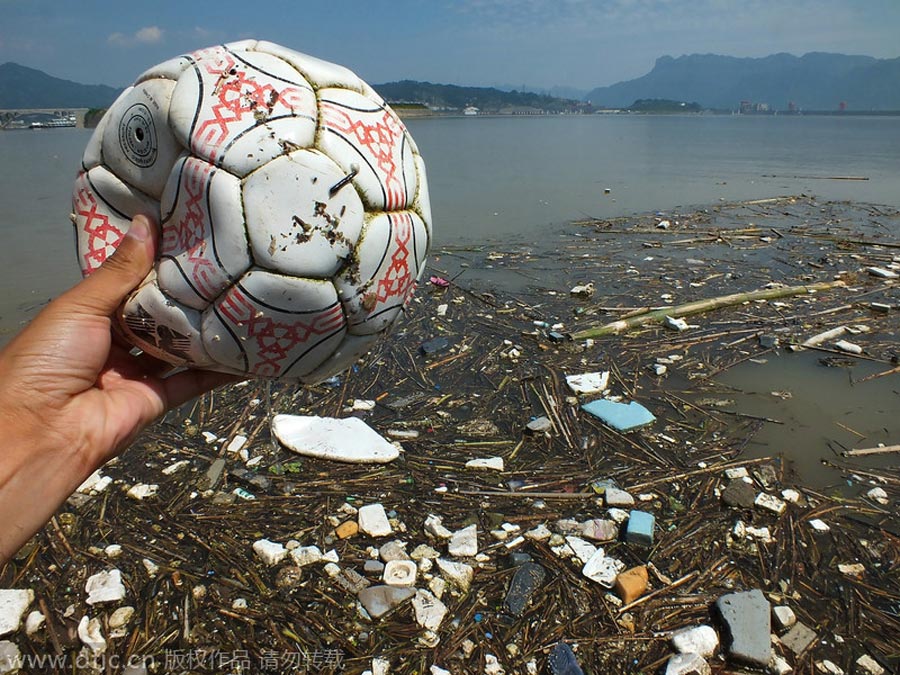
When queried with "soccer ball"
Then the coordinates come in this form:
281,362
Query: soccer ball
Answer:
293,205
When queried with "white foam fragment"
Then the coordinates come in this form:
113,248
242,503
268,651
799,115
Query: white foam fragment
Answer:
343,440
588,383
493,463
105,586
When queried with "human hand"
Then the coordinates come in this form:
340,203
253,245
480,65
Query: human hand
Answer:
72,397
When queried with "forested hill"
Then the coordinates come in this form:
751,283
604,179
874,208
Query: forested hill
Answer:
815,81
23,87
486,99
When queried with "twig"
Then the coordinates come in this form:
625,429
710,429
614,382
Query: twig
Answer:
699,306
864,452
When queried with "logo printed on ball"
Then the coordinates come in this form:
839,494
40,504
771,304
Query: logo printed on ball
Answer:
137,136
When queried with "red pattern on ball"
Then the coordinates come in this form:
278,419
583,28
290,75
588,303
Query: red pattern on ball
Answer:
103,236
238,95
379,141
276,340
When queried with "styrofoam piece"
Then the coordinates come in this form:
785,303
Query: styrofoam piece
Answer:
588,383
141,491
770,503
400,573
105,586
456,573
360,132
343,440
270,552
138,145
619,416
848,347
373,520
90,632
240,111
429,610
13,604
493,463
582,549
702,640
464,543
602,568
825,336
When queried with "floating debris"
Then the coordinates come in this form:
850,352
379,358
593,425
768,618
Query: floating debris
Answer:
197,577
343,440
620,416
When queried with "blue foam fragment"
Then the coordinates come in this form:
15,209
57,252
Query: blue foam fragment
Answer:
640,528
619,416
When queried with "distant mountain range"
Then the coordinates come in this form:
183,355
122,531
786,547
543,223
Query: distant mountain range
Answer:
815,81
22,87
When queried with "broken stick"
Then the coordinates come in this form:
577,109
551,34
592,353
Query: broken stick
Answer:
700,306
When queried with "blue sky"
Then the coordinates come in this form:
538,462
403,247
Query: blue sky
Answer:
575,43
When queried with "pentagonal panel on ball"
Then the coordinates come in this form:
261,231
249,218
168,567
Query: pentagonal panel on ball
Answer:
102,209
163,328
359,132
138,145
303,215
383,272
241,109
204,244
270,325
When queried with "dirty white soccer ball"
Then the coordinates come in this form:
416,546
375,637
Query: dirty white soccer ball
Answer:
293,204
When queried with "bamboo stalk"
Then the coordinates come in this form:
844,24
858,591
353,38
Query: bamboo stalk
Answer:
700,306
863,452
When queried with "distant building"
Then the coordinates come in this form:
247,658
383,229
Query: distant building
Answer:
751,108
470,110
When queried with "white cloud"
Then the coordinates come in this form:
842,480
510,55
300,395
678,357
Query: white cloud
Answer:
148,35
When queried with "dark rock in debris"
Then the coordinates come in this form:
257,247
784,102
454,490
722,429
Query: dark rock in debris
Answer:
768,341
798,638
254,480
748,624
739,494
516,558
289,577
434,346
527,579
766,475
562,661
539,425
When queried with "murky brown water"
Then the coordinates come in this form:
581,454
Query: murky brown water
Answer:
823,411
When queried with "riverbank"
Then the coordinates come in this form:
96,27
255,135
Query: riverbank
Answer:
507,317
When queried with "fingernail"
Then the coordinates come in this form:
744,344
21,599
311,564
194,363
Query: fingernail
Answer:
139,230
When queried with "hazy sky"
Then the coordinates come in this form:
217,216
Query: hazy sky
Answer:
577,43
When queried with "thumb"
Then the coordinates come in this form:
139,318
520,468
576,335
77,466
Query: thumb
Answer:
103,291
